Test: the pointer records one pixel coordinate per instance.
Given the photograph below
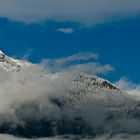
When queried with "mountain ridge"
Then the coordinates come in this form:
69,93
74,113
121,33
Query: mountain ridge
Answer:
10,64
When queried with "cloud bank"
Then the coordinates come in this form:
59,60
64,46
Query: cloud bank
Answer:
30,96
83,11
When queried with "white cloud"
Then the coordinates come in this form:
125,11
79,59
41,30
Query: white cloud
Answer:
75,57
66,30
129,87
81,62
84,11
91,68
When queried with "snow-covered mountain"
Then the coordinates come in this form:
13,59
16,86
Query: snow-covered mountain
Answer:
82,84
84,105
10,64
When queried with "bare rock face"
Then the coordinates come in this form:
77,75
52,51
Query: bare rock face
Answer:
108,85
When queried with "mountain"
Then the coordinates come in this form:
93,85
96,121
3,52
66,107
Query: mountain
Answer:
10,64
82,104
82,84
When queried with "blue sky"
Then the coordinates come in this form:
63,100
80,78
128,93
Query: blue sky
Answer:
116,39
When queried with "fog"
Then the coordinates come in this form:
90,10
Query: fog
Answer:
105,137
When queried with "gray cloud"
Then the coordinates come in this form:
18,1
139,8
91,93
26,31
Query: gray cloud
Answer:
84,11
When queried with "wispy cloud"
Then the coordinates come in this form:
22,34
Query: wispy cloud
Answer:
66,30
84,11
91,68
81,62
75,57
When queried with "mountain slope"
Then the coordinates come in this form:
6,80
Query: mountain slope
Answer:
66,103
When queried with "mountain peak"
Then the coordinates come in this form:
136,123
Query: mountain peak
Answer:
8,63
2,56
94,80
